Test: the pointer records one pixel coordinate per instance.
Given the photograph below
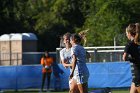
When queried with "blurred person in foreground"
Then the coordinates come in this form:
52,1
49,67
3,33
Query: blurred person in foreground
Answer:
132,54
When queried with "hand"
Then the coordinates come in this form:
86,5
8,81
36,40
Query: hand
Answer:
65,61
65,65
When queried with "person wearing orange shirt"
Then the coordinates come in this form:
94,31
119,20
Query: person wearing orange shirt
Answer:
46,62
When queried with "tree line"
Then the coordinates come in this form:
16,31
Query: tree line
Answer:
50,19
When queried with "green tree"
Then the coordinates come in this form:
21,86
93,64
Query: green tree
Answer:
49,19
105,22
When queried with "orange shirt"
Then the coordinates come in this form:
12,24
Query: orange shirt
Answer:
46,62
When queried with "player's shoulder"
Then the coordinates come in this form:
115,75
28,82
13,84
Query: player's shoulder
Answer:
75,47
130,43
79,47
62,50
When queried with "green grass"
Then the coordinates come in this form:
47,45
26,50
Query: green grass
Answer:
114,91
64,92
122,91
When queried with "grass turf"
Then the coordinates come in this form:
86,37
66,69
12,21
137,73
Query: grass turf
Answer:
114,91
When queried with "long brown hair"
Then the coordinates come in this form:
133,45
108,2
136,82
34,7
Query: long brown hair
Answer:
134,30
137,36
83,35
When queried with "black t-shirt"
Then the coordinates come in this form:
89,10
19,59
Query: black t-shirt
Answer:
134,50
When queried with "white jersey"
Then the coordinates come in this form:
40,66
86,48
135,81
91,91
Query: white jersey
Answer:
81,71
66,55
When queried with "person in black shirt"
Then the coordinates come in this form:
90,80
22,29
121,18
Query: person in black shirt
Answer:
132,54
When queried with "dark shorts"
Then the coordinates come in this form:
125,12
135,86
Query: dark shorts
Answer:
135,69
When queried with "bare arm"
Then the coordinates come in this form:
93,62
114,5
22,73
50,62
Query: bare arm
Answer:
63,60
74,60
65,64
125,56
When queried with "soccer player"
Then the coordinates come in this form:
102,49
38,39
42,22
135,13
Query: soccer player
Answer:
132,54
66,58
80,72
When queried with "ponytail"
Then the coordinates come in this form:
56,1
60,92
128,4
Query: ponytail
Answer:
83,35
137,36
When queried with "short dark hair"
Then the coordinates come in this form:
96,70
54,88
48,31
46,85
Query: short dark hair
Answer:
76,37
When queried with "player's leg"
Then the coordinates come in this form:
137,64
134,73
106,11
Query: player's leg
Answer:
76,90
133,88
82,83
70,86
138,89
81,88
73,87
85,85
136,78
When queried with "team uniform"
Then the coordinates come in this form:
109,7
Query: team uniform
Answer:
81,73
66,55
133,50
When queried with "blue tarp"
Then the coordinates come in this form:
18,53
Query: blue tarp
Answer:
116,74
110,74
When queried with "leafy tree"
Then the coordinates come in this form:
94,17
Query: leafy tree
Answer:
50,19
105,22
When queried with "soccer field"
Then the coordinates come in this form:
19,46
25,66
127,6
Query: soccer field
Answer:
114,91
123,91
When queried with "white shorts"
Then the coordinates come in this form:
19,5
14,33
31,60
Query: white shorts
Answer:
81,79
70,81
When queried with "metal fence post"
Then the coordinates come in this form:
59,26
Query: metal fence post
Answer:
0,58
58,55
95,55
17,58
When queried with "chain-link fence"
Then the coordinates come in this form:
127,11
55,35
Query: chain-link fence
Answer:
101,54
94,54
